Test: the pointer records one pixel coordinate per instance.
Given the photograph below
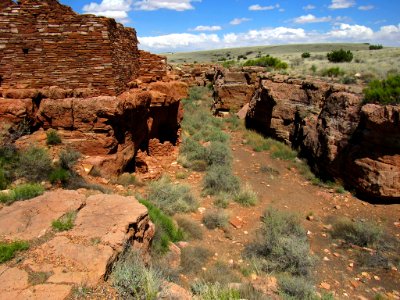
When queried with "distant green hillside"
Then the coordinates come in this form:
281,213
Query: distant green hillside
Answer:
367,64
251,52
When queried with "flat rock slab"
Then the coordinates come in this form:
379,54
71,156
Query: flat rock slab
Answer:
30,219
81,256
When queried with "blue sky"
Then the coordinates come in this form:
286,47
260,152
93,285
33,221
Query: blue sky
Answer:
186,25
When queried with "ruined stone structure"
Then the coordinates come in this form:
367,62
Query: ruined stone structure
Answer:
44,43
85,77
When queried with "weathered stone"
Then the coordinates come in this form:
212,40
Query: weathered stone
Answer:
30,219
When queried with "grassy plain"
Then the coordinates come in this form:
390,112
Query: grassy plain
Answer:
370,64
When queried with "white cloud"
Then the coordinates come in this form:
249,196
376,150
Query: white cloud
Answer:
339,4
238,21
180,41
117,9
207,28
351,32
366,7
386,35
311,19
179,5
309,7
257,7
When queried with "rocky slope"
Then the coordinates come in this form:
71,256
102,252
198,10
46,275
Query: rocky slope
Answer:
83,256
328,123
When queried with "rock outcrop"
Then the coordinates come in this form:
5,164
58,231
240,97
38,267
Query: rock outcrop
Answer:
104,226
339,136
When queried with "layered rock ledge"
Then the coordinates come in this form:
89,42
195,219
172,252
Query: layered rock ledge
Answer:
105,225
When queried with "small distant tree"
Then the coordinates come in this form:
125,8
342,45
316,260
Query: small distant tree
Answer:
306,55
341,55
375,47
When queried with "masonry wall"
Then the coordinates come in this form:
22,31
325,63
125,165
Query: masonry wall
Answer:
44,43
153,67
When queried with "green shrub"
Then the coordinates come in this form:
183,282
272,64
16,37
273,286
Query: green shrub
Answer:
296,288
332,72
256,141
22,192
220,179
133,280
233,122
8,250
283,151
220,272
267,61
363,234
305,55
383,91
341,55
349,80
219,154
228,63
375,47
313,69
166,231
193,150
52,137
222,200
215,218
59,175
127,179
34,164
282,245
215,291
246,196
194,258
3,179
171,198
68,159
192,230
66,222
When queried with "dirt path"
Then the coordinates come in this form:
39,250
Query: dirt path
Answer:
281,187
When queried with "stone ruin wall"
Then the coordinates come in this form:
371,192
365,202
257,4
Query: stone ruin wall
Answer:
44,43
153,67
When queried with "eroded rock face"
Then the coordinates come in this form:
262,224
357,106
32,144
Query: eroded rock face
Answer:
340,137
104,226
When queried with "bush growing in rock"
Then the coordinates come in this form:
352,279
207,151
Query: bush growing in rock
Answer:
166,231
68,158
133,280
34,164
66,222
9,249
52,137
171,198
341,55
